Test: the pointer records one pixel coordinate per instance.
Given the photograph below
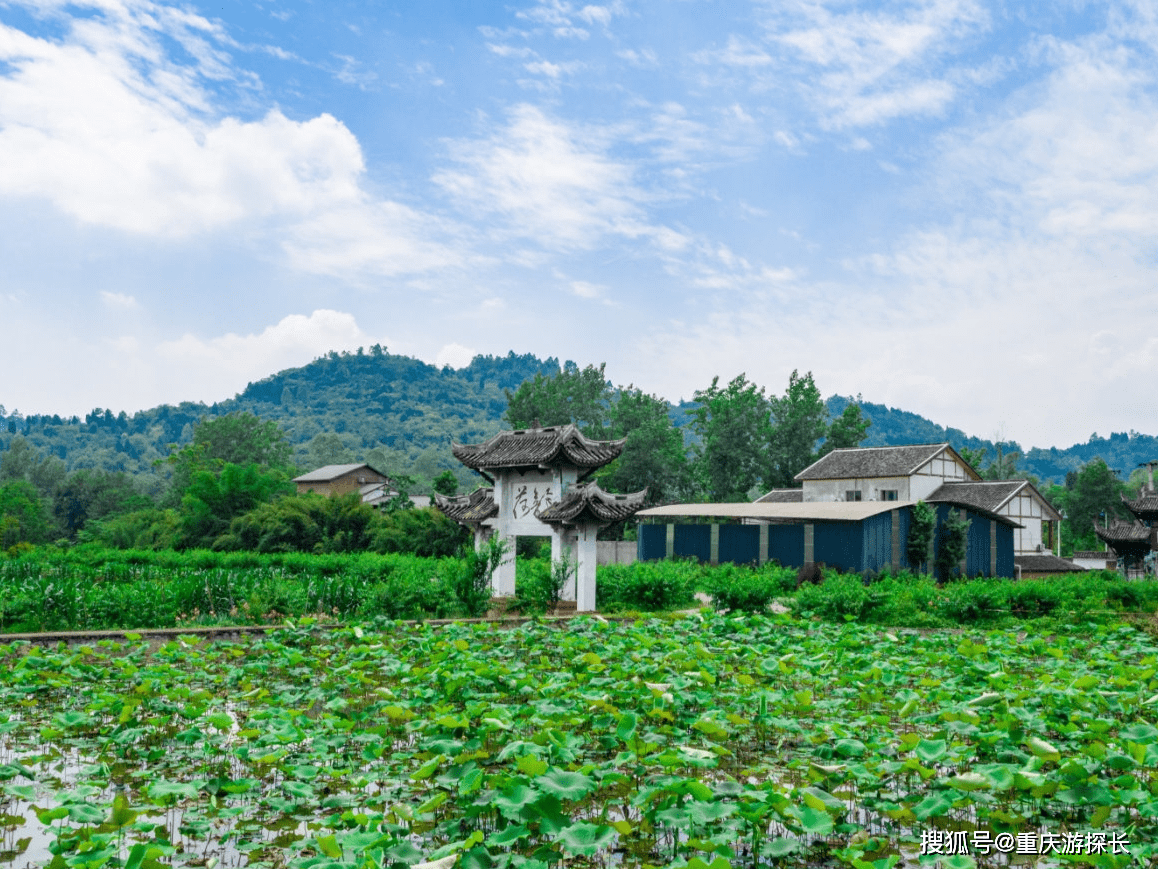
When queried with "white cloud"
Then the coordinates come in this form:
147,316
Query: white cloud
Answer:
585,290
223,365
103,123
455,355
118,300
545,180
859,68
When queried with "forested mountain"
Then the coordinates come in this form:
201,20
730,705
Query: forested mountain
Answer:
1121,451
401,414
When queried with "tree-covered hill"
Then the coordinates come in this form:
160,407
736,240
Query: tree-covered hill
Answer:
401,414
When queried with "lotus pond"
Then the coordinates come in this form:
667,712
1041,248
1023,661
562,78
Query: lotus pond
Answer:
702,741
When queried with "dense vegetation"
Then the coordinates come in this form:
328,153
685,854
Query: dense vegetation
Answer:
90,587
216,476
706,742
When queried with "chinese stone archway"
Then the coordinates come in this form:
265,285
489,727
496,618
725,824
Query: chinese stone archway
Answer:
537,490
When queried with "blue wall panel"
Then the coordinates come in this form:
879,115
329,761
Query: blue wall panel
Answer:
693,541
739,544
786,544
652,542
839,544
1004,550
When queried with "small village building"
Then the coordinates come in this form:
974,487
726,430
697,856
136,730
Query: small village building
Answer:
537,476
1094,560
1020,501
1131,541
341,480
853,511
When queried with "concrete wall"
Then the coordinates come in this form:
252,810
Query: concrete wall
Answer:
870,488
616,551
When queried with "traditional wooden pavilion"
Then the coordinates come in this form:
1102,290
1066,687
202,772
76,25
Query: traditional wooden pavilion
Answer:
537,476
1129,540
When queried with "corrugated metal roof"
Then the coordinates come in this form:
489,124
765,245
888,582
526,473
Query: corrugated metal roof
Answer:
330,472
835,511
864,462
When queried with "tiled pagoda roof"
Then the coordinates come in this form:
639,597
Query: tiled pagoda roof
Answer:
1124,538
589,503
539,447
472,509
1145,506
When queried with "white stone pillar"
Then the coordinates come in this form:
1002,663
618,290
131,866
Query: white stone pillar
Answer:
563,546
503,580
586,557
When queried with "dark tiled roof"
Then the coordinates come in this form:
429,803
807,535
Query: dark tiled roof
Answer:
863,462
331,472
1145,506
1045,564
1093,555
989,495
1123,532
536,447
470,509
590,503
782,496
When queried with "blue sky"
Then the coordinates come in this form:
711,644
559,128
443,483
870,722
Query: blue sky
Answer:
948,206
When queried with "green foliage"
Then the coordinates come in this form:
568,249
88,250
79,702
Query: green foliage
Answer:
23,461
471,584
846,431
653,457
579,396
427,533
922,526
213,500
736,588
239,439
305,523
951,547
734,431
446,483
140,529
540,583
24,515
800,420
1089,493
647,585
89,495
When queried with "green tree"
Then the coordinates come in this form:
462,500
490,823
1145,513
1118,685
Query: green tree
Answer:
974,457
922,525
734,431
654,456
846,431
24,516
327,448
799,421
446,483
1091,492
953,543
239,439
89,494
213,500
23,461
582,397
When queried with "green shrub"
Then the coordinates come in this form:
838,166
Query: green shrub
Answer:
648,586
746,590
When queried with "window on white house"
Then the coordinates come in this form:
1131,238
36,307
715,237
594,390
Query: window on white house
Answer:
852,495
888,494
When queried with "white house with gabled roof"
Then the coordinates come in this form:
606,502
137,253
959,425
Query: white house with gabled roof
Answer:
904,473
